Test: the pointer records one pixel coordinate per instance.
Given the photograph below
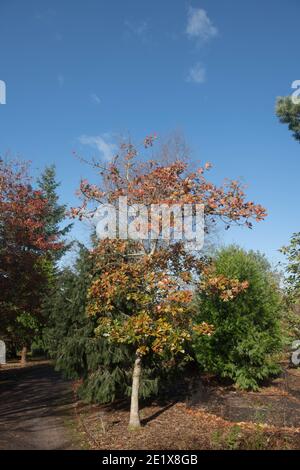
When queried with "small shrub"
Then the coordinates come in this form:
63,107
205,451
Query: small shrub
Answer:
230,440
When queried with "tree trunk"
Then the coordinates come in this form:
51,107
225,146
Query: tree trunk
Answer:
134,421
24,356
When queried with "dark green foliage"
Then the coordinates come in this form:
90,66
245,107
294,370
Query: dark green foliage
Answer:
291,320
289,113
57,214
247,331
104,369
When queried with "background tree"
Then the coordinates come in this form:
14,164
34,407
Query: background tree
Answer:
24,247
55,226
289,113
57,212
292,284
292,252
141,292
247,329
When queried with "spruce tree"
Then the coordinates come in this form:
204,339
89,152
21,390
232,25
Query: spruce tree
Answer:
55,228
57,212
289,113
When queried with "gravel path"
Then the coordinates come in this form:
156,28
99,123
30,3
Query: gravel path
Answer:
35,409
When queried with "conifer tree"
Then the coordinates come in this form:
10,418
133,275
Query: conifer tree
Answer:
291,319
289,113
247,330
57,212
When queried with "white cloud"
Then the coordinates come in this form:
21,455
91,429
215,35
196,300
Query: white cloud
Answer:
199,26
197,74
101,143
95,98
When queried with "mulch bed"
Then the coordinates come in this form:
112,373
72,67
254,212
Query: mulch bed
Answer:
213,416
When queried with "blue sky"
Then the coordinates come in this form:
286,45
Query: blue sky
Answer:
81,72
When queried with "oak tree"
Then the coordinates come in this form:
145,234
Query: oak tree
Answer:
142,288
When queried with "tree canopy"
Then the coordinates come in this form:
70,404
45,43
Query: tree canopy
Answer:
26,246
141,290
289,113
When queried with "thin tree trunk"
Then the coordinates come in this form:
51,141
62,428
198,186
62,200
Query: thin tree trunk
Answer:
134,421
24,356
